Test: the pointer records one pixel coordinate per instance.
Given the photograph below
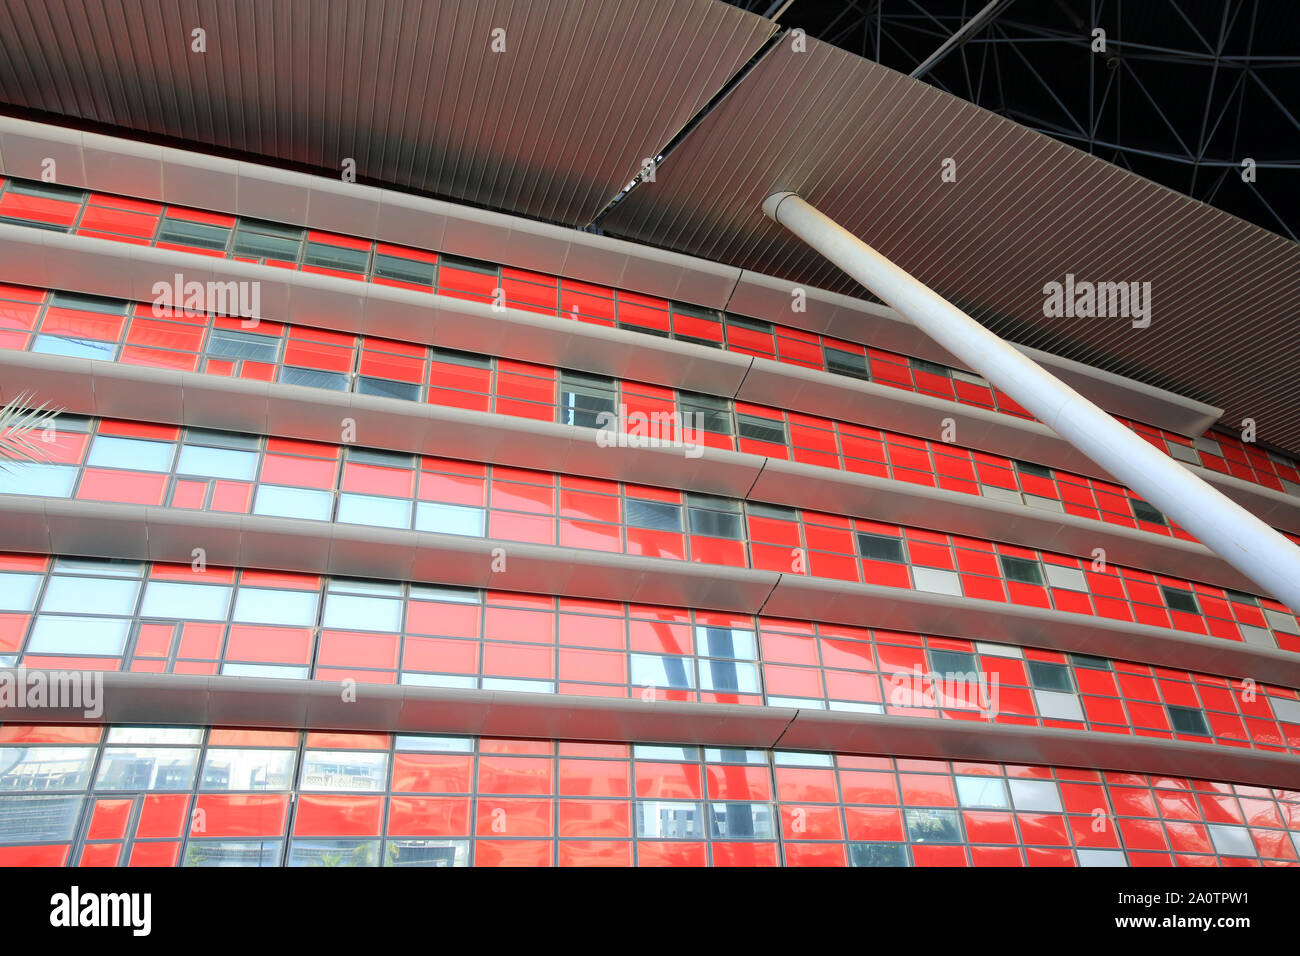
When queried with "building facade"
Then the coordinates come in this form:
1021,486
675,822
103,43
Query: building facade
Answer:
387,553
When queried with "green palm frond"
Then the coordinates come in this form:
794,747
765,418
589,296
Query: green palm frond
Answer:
17,422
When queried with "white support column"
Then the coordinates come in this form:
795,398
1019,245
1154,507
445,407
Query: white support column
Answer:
1256,550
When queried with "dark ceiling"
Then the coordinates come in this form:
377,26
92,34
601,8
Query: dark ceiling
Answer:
1185,90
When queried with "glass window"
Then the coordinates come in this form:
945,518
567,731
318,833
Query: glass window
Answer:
662,752
133,453
847,363
761,429
232,853
283,502
314,378
404,270
1101,857
426,853
653,515
88,303
1180,600
933,826
73,347
32,819
1281,621
103,596
217,463
878,854
387,388
38,478
103,567
1057,705
334,853
934,368
448,519
270,606
1089,662
248,769
147,768
732,755
662,670
982,792
1188,720
715,413
424,743
1071,579
713,521
185,602
724,642
352,613
1022,570
344,770
374,511
1048,676
338,258
155,735
257,239
1030,468
584,397
878,547
44,190
444,592
801,758
668,820
728,676
468,359
741,821
254,346
186,233
18,591
1231,841
273,671
1038,795
1145,512
953,662
45,768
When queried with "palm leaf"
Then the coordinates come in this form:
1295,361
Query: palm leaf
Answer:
17,422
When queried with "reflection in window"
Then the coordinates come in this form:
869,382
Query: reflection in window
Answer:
426,853
274,606
668,820
448,519
343,770
147,768
31,819
284,502
185,602
374,510
45,768
38,478
107,451
232,853
933,826
740,821
584,397
247,770
334,853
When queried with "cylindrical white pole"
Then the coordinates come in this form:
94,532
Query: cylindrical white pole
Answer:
1248,544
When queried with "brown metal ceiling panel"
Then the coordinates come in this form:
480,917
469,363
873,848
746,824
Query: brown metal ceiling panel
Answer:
866,146
551,127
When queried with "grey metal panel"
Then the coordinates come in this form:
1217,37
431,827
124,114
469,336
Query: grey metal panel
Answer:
347,208
553,126
132,169
321,705
195,179
118,532
175,534
271,194
138,392
26,527
26,147
841,602
864,145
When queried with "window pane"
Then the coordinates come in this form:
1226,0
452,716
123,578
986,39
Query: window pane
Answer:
374,511
248,770
344,770
185,602
715,524
933,826
735,677
761,429
982,792
878,854
282,502
18,591
427,853
740,821
880,548
1049,676
584,397
666,670
403,270
45,768
30,819
232,853
147,768
668,821
268,606
350,613
1180,600
38,478
847,363
334,853
216,463
336,257
103,596
228,343
132,453
74,348
724,642
187,233
1039,795
387,388
653,515
449,519
314,378
1021,570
